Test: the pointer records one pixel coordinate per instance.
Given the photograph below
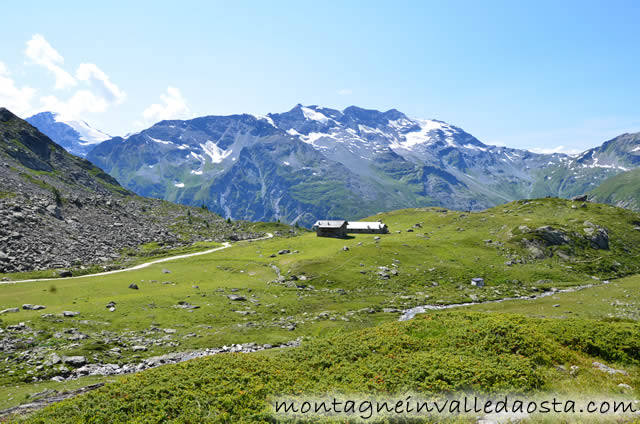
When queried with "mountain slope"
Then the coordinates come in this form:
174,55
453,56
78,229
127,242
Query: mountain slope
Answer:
622,190
313,162
58,210
77,137
588,170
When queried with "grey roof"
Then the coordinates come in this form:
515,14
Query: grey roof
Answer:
329,224
364,225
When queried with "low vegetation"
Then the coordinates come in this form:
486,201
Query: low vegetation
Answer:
438,353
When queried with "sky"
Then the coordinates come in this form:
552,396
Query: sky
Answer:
541,75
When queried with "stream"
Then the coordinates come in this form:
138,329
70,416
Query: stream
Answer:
408,314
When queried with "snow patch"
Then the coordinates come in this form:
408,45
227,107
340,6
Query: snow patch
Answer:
199,172
179,185
87,133
414,138
286,163
266,118
474,147
160,141
216,154
314,115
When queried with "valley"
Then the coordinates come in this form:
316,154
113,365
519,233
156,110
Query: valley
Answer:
304,288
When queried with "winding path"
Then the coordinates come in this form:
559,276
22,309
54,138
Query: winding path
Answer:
225,245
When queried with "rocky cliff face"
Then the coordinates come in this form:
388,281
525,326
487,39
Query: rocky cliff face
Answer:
60,211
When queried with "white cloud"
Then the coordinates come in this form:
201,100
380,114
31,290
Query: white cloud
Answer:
16,99
173,106
77,106
96,95
100,81
557,149
41,53
345,92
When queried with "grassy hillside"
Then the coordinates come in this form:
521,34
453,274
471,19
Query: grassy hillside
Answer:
318,289
623,190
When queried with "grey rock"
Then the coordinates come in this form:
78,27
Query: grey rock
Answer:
133,286
30,307
9,310
74,361
236,297
604,368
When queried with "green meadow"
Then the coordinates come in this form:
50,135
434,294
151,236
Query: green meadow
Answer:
342,298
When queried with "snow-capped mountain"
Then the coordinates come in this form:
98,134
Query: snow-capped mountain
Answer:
313,162
77,137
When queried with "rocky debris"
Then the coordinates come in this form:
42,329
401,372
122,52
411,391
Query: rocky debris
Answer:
185,305
84,369
9,310
139,348
604,368
46,398
597,236
54,201
552,236
30,307
74,361
236,297
133,286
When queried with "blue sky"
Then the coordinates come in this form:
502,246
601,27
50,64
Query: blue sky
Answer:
531,74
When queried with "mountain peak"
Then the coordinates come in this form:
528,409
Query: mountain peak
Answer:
75,136
6,115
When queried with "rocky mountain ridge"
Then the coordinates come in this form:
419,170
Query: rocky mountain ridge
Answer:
313,162
60,211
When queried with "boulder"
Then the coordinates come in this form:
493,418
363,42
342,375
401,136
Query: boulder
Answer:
133,286
582,198
236,297
30,307
70,314
9,310
74,361
604,368
65,273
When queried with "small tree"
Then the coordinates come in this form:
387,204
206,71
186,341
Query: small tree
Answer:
229,220
57,196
